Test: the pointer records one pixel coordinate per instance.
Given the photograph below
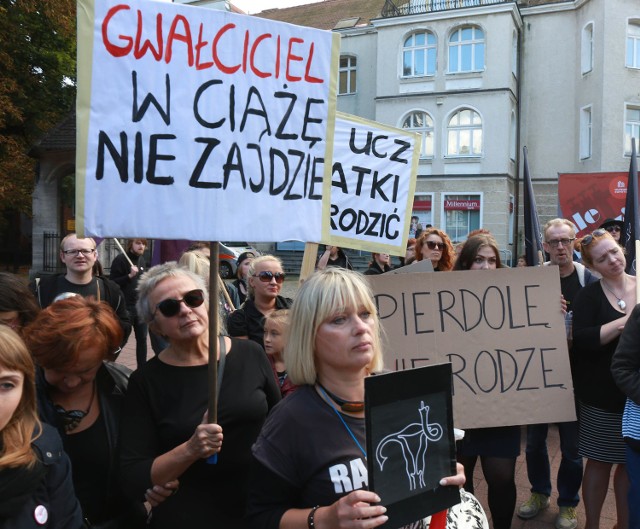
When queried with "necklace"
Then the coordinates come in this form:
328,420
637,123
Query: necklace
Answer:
350,406
344,423
72,418
620,303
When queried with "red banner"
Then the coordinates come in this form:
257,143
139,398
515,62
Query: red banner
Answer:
587,199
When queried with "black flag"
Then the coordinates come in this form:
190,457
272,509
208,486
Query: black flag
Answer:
532,237
631,223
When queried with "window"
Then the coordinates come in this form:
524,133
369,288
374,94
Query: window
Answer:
633,44
461,215
464,134
513,136
419,55
631,128
514,54
585,133
466,50
586,59
421,123
347,82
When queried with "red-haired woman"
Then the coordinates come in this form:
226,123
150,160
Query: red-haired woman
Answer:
434,244
35,475
82,396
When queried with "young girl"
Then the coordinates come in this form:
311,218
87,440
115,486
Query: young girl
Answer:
35,474
276,325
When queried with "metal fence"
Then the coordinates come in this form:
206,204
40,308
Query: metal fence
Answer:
107,250
398,8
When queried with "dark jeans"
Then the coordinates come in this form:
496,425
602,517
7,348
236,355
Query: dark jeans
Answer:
633,471
539,470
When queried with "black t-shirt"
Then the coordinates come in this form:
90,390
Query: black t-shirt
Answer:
569,286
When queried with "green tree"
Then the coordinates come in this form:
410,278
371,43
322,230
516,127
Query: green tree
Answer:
37,87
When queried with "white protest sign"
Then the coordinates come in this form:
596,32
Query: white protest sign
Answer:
196,123
502,330
372,185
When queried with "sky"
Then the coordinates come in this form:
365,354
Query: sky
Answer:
255,6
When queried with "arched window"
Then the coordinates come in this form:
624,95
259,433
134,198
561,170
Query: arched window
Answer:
466,50
633,44
347,81
464,134
419,55
421,123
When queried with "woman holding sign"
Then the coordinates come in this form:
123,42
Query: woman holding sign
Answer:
600,311
165,434
309,461
435,245
497,448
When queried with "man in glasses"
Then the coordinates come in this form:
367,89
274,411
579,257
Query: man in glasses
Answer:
79,257
264,282
614,227
559,236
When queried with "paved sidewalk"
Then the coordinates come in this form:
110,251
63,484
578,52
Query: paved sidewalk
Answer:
544,520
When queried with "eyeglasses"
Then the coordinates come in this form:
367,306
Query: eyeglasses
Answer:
170,307
432,245
588,239
267,276
554,243
83,251
613,229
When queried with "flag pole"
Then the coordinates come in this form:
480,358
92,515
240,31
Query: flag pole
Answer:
214,307
123,252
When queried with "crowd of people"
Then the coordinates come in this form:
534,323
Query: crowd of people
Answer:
85,442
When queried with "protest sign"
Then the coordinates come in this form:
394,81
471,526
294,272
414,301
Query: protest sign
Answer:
201,124
373,180
503,332
411,441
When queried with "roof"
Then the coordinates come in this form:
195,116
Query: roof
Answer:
327,14
62,137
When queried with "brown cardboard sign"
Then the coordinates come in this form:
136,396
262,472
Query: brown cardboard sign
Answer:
503,332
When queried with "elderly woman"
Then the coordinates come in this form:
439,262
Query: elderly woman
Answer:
35,474
165,434
334,344
18,306
82,395
265,281
435,245
600,311
497,448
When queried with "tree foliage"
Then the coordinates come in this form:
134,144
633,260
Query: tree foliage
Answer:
37,87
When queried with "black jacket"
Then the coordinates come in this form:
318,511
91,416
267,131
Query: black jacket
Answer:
112,380
119,274
55,495
46,288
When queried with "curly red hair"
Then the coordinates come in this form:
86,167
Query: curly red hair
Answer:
448,253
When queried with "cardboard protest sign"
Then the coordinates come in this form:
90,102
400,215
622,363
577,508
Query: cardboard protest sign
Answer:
503,332
410,442
373,179
201,124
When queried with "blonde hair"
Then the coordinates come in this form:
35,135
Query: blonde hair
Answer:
322,295
18,434
252,269
196,262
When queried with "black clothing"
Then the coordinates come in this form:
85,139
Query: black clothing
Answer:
570,285
625,365
54,498
111,386
166,403
593,382
242,297
46,289
249,321
120,269
375,269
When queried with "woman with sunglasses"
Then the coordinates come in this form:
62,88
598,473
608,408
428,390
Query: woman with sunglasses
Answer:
600,311
614,227
435,245
82,395
379,264
165,435
264,283
497,448
301,476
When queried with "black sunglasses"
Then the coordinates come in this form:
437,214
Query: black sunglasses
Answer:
432,245
613,229
170,307
267,276
588,239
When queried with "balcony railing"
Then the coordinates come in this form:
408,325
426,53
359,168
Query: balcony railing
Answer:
398,8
